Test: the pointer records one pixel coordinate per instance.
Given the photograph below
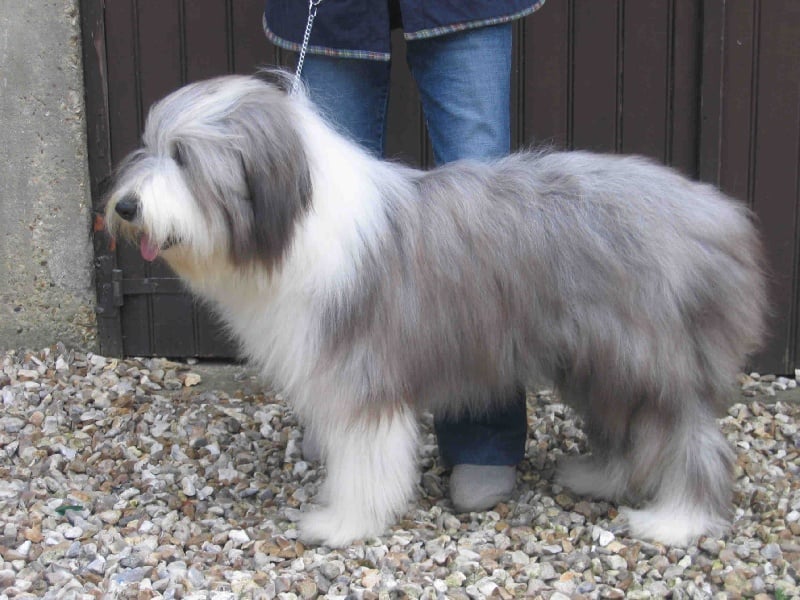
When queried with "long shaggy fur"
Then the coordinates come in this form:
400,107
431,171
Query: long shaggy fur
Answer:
367,291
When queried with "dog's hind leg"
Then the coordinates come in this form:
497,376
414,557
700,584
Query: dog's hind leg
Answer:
604,473
687,474
670,455
372,472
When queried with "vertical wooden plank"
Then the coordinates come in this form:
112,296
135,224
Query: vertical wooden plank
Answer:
739,79
595,94
161,49
775,165
126,122
750,141
95,73
206,38
738,83
123,78
548,73
250,47
163,68
711,90
646,78
686,65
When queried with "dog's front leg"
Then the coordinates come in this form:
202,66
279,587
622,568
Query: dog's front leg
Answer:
372,473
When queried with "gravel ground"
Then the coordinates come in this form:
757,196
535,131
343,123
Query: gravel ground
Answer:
127,479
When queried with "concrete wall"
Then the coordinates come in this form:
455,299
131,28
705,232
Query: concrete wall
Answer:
46,289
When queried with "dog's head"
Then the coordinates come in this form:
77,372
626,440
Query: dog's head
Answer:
222,173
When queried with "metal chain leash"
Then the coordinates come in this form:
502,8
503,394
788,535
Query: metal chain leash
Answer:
312,13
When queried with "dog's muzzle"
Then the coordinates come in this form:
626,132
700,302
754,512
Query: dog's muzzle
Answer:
128,207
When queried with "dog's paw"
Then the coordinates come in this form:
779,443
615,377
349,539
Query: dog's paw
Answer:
586,476
327,527
671,526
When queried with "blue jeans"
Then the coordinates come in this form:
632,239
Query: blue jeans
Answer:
464,80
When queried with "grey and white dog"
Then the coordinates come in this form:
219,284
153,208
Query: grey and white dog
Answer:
367,291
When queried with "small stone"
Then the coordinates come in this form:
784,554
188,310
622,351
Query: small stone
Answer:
192,379
27,374
12,424
547,572
98,565
73,533
735,582
307,589
370,578
7,578
520,558
50,425
616,562
134,575
771,551
34,534
24,549
188,487
742,551
616,547
711,546
238,536
111,517
455,579
602,536
195,578
74,550
98,361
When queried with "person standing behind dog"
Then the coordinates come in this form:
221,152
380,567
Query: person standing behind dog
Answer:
460,56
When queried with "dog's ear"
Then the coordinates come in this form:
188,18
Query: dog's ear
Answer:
278,180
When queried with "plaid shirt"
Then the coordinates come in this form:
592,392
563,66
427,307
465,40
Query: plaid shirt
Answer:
362,28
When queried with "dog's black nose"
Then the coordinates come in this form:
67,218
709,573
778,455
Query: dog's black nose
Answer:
128,207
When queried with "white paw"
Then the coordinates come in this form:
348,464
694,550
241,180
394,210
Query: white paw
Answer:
327,527
671,526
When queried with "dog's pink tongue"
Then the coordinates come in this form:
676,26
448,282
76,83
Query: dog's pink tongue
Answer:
148,249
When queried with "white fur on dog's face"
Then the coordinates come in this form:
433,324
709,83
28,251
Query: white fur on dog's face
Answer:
364,291
168,214
207,174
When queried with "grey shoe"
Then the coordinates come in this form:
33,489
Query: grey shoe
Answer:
475,488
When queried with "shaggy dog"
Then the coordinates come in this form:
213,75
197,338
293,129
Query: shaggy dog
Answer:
367,291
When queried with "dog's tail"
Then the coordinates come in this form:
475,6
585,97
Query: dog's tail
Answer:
729,315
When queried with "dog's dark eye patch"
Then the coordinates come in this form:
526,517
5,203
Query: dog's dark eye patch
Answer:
178,155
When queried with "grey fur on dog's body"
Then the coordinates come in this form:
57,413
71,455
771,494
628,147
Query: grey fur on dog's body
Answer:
637,291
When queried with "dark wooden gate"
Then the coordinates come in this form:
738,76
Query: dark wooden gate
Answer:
711,87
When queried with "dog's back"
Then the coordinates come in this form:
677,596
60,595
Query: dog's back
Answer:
546,263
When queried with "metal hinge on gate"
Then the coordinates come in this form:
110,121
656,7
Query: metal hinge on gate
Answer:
121,287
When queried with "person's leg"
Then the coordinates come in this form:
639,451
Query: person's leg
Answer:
353,94
465,84
464,80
